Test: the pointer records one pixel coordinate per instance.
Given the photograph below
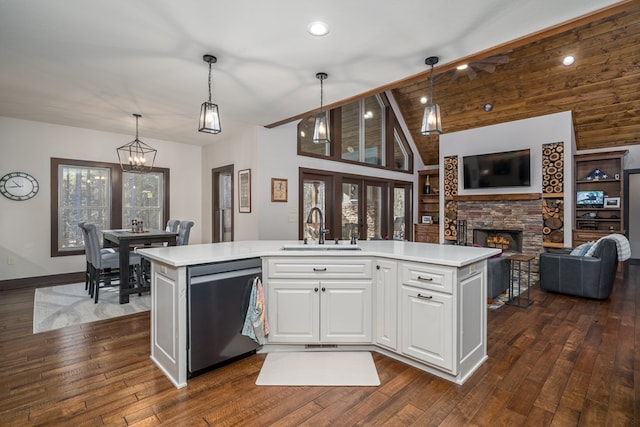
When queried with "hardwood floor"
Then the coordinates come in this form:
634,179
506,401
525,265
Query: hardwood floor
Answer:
563,361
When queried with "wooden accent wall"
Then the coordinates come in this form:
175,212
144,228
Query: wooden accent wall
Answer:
601,88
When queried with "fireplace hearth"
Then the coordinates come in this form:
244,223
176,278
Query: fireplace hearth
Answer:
507,240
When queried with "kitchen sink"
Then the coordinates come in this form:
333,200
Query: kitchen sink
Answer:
316,247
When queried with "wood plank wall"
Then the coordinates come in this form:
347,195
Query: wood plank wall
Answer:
601,88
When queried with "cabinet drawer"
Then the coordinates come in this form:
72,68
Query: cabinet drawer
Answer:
319,268
427,277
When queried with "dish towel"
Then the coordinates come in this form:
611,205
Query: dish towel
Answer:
256,325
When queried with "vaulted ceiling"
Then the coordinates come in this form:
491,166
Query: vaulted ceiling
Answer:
601,88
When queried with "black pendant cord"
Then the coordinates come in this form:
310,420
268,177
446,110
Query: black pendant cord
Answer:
210,82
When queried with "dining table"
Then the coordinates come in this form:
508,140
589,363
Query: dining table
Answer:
124,240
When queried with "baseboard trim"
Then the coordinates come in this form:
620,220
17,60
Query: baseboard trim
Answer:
41,281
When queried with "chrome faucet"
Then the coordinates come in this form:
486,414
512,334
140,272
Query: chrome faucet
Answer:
321,230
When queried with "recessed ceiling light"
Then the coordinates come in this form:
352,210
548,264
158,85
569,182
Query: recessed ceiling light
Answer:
462,67
423,100
487,107
568,60
318,29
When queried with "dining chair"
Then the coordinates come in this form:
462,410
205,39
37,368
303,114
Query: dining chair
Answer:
183,233
172,225
87,278
104,266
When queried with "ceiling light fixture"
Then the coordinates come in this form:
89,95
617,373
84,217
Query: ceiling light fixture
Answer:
462,67
209,116
136,156
318,29
568,60
431,120
321,128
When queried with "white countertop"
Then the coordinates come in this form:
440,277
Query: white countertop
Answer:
450,255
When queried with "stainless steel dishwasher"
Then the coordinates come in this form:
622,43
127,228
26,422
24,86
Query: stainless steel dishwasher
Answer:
217,300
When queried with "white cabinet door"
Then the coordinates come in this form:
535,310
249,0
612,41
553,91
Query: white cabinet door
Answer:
427,327
293,311
386,300
345,311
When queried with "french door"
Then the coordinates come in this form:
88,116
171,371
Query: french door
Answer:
222,221
370,209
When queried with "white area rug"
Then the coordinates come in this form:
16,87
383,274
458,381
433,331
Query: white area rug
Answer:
65,305
319,368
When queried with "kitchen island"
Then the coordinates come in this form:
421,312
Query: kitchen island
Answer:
423,304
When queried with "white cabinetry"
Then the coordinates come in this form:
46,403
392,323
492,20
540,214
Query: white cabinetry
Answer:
386,303
443,316
427,326
169,321
319,300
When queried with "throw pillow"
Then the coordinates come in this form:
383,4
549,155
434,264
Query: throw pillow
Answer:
582,249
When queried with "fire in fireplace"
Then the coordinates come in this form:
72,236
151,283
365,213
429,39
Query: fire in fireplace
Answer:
507,240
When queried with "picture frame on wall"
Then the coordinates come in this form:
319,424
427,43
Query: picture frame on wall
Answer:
279,189
244,191
612,202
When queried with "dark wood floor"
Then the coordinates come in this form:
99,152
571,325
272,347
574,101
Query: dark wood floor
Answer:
563,361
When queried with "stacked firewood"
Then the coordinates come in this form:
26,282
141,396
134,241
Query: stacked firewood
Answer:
450,191
553,168
553,186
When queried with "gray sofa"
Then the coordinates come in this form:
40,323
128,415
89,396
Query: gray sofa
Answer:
583,276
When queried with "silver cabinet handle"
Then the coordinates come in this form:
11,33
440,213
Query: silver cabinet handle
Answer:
426,279
319,269
425,296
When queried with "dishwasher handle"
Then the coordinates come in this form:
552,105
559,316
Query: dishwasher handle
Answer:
222,276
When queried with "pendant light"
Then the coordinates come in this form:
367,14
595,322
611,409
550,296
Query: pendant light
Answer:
321,128
431,120
209,117
136,156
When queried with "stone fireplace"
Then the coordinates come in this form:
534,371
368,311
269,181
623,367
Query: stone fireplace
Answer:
505,217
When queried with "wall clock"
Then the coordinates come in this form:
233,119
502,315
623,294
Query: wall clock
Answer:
18,186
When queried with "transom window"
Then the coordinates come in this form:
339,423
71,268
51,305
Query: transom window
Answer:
364,131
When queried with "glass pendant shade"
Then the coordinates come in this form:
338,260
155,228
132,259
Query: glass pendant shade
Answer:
209,118
209,115
136,156
431,120
321,129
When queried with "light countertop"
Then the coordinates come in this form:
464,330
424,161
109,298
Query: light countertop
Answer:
449,255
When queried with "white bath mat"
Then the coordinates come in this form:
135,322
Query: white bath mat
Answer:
319,368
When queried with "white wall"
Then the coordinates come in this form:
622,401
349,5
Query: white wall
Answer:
240,150
269,153
529,133
28,146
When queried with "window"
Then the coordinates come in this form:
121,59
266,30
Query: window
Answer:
143,196
101,193
364,131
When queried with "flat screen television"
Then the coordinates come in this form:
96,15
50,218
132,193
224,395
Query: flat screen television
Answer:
590,199
506,169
